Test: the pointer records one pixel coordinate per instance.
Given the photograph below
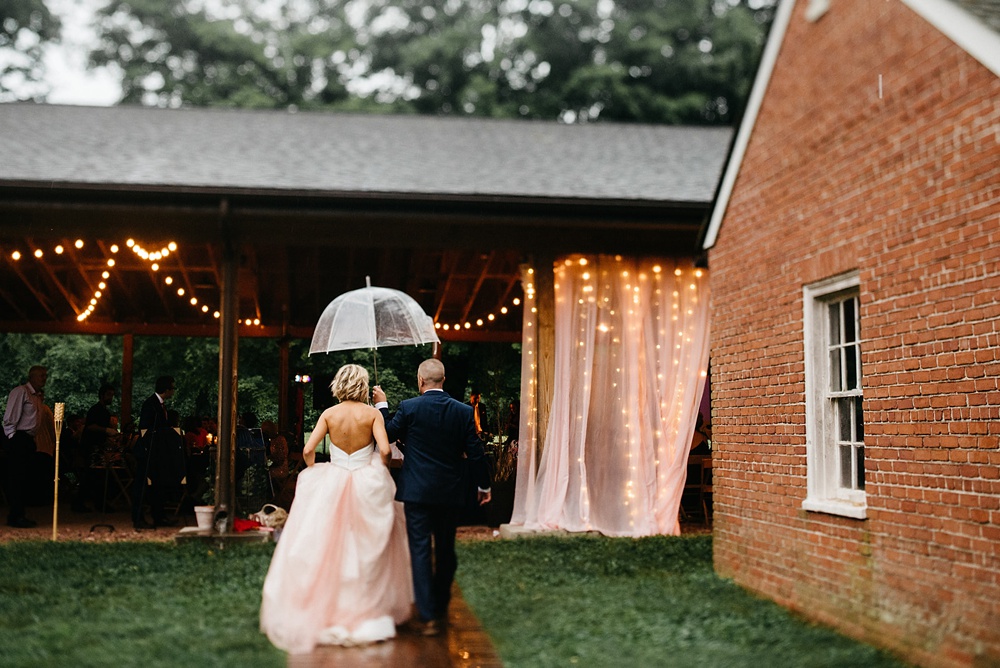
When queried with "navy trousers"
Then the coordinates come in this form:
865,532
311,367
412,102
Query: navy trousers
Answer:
430,530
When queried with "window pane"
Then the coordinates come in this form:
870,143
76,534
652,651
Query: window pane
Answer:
851,367
846,454
834,310
845,415
849,319
836,382
859,421
861,467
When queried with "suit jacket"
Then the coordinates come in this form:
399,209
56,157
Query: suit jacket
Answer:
434,432
153,414
161,450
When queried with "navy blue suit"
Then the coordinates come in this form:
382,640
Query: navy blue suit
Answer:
435,434
159,455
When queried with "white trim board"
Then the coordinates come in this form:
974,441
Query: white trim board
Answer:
761,81
961,27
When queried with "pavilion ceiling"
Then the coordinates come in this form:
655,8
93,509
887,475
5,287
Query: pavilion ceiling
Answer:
48,284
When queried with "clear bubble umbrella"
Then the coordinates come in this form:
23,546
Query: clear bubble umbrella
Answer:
373,318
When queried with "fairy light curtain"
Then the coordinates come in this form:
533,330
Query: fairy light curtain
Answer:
631,356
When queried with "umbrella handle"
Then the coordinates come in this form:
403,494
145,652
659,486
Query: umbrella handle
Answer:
375,362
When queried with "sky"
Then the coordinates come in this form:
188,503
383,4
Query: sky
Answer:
65,64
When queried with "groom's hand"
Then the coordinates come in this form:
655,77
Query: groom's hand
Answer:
378,395
485,496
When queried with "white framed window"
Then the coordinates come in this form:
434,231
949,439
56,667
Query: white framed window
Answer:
835,437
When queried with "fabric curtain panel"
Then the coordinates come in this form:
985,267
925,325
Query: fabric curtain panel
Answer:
631,359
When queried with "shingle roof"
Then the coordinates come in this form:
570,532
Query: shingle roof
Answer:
346,153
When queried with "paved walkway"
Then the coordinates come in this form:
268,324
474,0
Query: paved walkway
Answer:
463,644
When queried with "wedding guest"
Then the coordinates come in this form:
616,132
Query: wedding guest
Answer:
157,463
99,435
20,423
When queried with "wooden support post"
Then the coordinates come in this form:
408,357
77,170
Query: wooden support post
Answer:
125,417
225,471
284,383
545,302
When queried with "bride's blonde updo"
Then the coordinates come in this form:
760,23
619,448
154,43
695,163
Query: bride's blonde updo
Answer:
350,384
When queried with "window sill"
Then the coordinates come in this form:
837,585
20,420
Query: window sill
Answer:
857,511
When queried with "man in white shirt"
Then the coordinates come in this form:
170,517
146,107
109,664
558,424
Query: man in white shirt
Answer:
20,422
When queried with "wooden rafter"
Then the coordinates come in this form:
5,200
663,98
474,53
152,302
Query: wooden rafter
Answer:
506,293
122,283
12,304
449,274
69,249
177,258
42,300
47,268
474,293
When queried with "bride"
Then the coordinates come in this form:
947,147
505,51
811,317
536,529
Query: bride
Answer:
340,573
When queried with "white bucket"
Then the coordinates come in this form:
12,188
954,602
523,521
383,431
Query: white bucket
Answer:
204,515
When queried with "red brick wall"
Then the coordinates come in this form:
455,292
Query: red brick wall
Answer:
906,189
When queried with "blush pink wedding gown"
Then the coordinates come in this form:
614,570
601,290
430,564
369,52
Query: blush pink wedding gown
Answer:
340,574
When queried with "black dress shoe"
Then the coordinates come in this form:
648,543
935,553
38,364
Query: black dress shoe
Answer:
165,522
419,627
21,523
142,524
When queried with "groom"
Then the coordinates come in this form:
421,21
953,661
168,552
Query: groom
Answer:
434,433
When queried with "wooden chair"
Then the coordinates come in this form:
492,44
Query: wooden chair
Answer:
705,488
694,486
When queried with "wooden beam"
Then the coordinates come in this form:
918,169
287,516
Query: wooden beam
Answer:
47,268
506,293
474,293
545,302
12,304
442,294
128,344
177,258
42,299
71,253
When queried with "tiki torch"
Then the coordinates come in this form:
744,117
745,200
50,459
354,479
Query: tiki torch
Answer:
58,419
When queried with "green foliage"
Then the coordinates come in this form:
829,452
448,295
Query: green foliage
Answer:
597,601
77,366
131,604
26,27
656,61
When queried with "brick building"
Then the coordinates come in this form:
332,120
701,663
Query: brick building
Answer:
855,276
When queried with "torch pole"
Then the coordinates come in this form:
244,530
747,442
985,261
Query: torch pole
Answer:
58,419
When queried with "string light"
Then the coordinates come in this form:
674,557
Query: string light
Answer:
153,257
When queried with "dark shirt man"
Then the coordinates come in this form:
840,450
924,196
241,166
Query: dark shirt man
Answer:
97,427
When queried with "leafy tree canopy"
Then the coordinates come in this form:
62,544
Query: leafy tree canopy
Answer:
26,26
657,61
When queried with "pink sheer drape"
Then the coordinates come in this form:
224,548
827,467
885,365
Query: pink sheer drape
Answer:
631,355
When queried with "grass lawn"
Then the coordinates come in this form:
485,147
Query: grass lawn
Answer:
545,602
585,601
132,604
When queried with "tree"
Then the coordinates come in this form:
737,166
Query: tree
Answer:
657,61
26,26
